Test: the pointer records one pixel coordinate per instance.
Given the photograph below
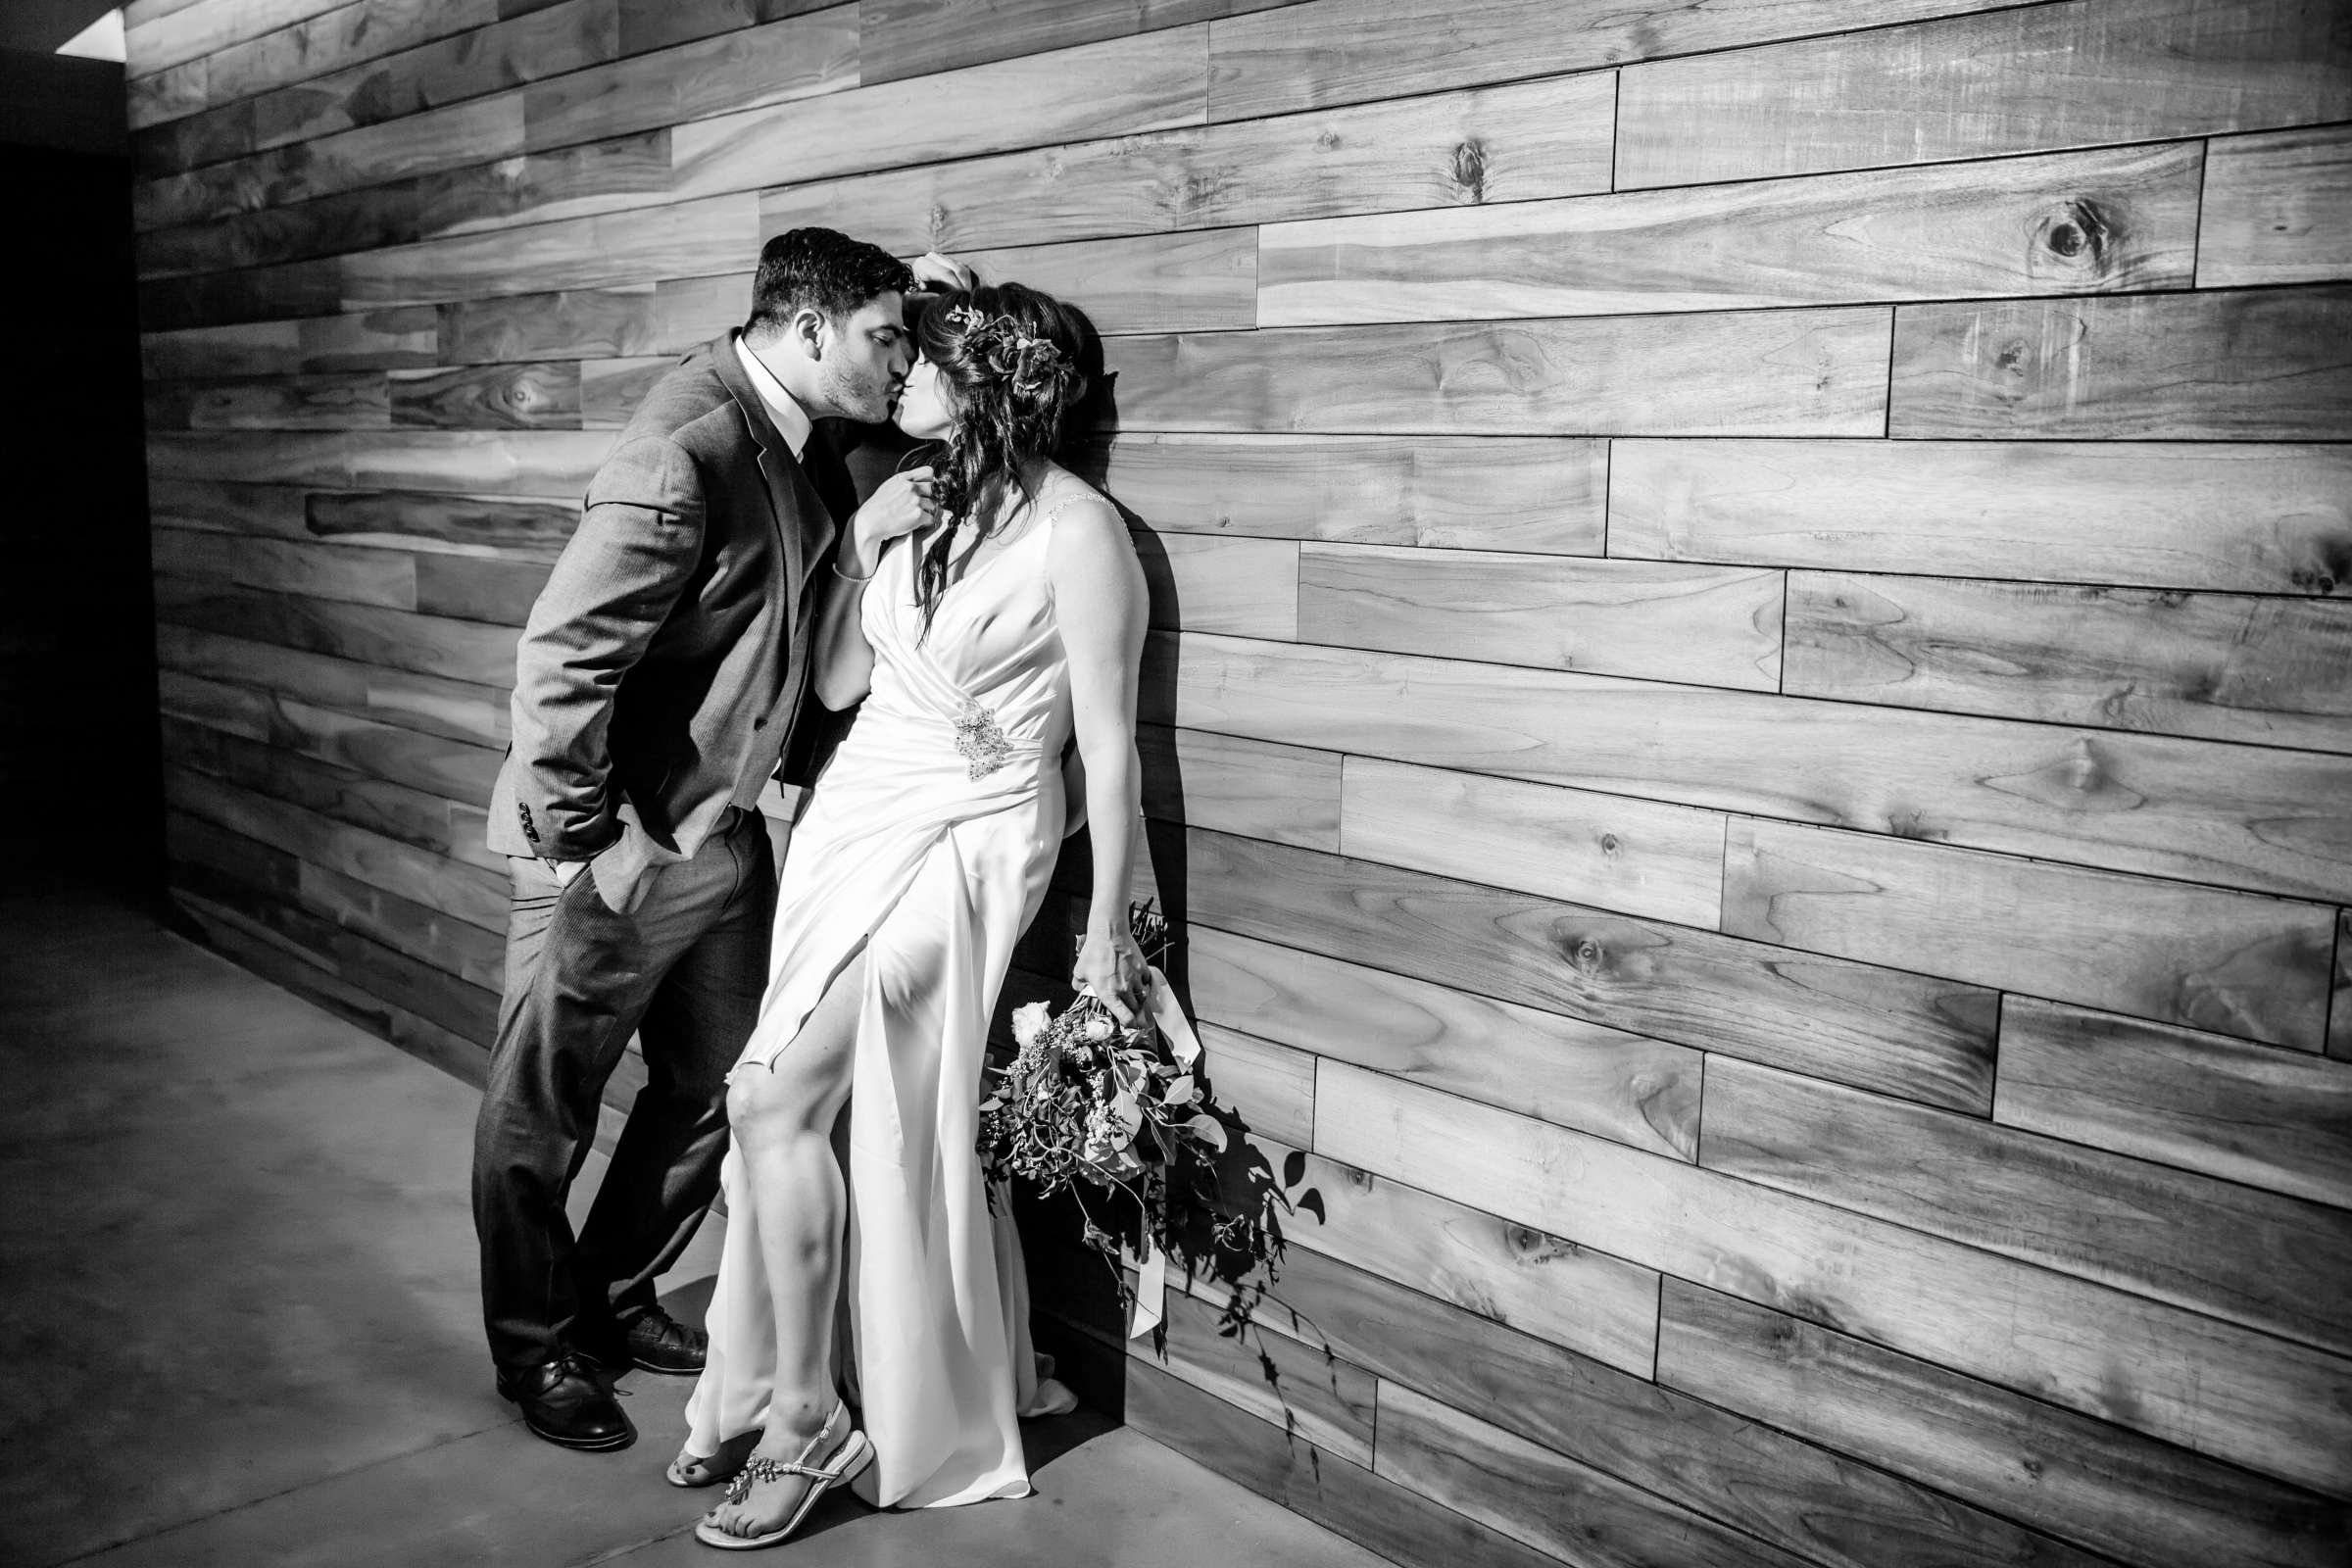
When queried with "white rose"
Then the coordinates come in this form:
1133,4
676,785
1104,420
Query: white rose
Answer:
1028,1022
1097,1028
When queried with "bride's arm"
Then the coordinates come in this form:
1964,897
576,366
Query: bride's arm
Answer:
844,660
1101,603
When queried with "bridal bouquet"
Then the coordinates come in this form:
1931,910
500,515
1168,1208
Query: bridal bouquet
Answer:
1124,1113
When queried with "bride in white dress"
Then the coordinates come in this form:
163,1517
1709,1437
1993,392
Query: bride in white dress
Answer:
1007,616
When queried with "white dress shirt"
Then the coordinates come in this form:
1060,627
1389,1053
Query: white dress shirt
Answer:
786,414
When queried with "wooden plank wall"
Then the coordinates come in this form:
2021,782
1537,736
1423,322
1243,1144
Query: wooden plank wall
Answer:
1750,721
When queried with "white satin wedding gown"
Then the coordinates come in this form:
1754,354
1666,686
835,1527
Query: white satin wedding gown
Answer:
931,838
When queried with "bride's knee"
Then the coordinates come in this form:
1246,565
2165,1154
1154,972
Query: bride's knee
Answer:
757,1108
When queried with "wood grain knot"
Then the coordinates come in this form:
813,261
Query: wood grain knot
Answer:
1469,171
2078,239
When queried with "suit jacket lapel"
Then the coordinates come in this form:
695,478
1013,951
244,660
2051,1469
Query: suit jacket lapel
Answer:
803,526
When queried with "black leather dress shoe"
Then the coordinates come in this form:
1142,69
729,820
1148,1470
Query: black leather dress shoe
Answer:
653,1341
566,1402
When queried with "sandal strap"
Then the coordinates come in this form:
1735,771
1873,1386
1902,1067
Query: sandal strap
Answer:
759,1467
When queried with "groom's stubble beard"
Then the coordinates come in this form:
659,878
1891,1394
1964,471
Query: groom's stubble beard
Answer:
865,394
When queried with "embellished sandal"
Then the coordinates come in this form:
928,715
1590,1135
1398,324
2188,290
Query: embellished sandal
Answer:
853,1455
709,1470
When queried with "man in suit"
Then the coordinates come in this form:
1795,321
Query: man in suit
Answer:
661,678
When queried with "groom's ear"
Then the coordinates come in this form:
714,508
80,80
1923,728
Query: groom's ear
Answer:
809,331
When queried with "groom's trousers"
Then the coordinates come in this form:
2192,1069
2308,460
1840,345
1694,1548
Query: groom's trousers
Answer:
684,971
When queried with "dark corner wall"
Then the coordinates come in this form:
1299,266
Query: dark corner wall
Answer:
79,786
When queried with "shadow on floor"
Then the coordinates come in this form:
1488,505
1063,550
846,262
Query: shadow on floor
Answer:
240,1323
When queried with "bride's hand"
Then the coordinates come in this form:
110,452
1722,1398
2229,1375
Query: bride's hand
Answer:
936,272
904,502
1111,967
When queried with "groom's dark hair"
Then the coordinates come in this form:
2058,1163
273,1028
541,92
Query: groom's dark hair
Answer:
806,267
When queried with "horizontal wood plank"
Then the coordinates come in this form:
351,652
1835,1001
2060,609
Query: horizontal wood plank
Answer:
1503,144
2085,1479
158,39
426,703
1641,1092
330,38
263,882
477,526
544,396
1905,1034
2234,963
346,795
917,38
1271,1086
611,389
2066,224
469,893
1247,587
1327,1403
554,40
580,253
500,592
1149,82
1608,850
1285,58
1347,1498
323,572
362,750
2241,816
2277,209
575,323
539,464
353,401
1552,1502
1467,1263
210,506
2274,671
429,644
2256,519
1285,792
647,25
2199,1102
1708,626
428,1014
1785,1491
2254,1258
2021,81
1532,495
367,340
2224,1390
475,131
1204,281
2261,364
1778,373
750,67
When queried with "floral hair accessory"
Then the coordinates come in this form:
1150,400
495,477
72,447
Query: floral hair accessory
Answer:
1008,350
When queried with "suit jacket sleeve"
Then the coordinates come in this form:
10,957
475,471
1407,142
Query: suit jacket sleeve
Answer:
638,542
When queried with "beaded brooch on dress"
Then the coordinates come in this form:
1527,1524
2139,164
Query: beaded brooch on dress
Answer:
979,739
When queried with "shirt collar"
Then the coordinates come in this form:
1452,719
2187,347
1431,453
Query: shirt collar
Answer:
790,423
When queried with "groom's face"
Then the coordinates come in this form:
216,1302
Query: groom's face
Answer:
865,361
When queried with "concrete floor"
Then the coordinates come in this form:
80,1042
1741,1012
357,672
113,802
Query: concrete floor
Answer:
238,1320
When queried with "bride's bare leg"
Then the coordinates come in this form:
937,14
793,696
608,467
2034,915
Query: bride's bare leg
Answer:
783,1124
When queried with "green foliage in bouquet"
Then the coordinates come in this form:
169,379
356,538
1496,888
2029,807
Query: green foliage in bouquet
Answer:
1121,1113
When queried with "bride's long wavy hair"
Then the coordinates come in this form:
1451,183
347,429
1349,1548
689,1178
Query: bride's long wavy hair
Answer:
1010,355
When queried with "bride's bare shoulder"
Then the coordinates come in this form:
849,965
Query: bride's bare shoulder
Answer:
1075,503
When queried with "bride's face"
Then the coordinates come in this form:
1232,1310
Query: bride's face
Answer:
926,410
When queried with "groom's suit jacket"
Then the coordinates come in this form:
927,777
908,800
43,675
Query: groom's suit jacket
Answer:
666,665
